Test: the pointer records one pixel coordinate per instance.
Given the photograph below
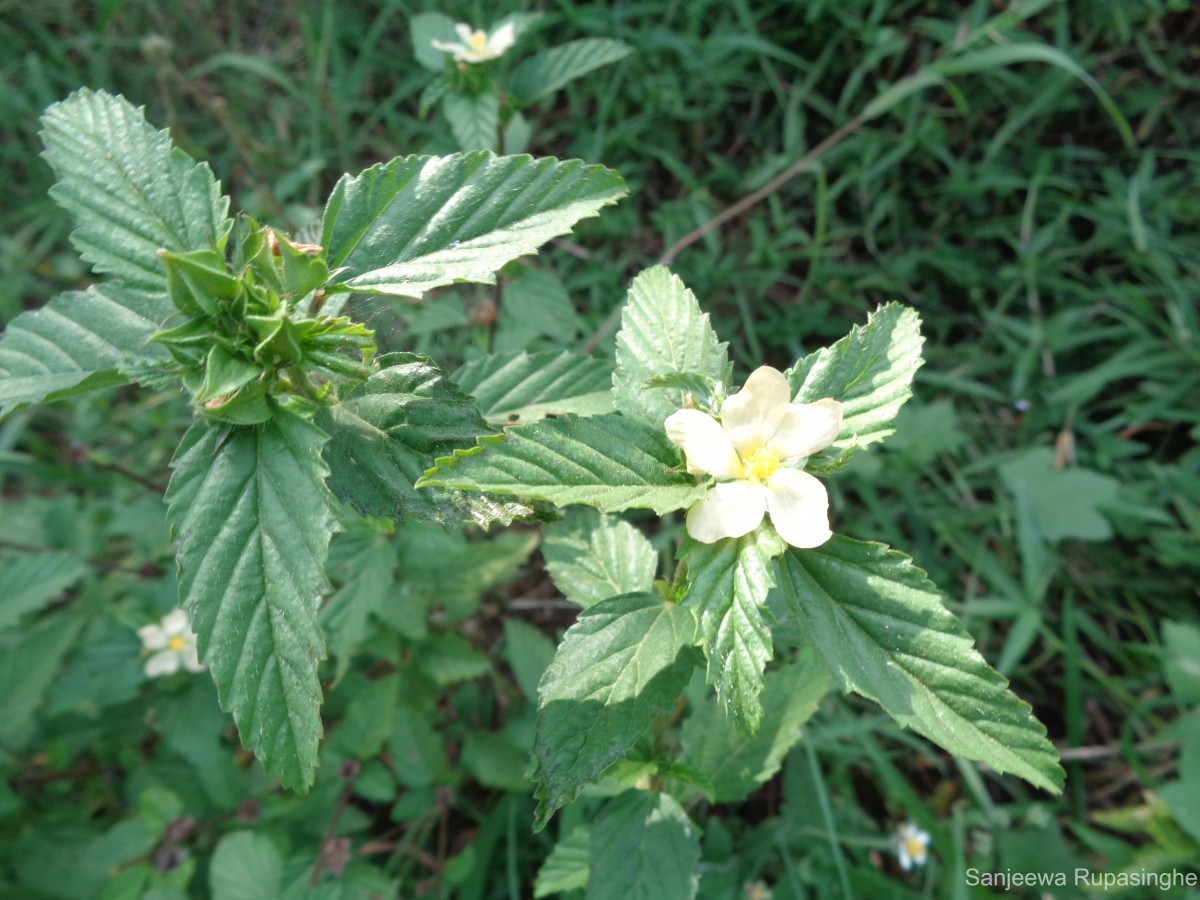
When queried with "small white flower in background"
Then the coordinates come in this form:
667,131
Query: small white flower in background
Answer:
760,431
912,846
477,45
172,644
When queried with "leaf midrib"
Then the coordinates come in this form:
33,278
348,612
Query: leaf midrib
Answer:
845,620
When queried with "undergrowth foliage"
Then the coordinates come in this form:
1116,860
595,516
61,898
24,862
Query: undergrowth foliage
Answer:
1021,174
302,430
240,316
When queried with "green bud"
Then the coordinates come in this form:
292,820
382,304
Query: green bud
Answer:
197,280
278,338
224,375
246,406
189,342
230,390
302,266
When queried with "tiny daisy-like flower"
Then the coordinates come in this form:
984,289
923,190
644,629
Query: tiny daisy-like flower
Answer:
171,644
912,846
477,45
756,452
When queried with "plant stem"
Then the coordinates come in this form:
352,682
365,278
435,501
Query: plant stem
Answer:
800,165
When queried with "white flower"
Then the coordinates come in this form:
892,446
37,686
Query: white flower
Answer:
912,846
760,431
173,645
477,45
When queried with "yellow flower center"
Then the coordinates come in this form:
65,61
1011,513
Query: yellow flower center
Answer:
762,464
915,848
176,642
478,40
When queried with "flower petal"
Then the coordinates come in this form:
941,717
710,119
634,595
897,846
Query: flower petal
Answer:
752,415
191,659
705,442
799,506
464,32
731,509
154,637
502,39
163,663
447,46
177,622
807,427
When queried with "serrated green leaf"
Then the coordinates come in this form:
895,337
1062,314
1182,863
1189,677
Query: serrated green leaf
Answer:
434,92
1181,659
496,762
1064,503
252,519
870,371
517,134
458,580
29,581
644,847
448,659
367,565
427,27
728,583
528,652
624,661
519,387
385,434
925,431
246,866
192,725
357,881
418,757
688,775
1179,795
128,190
369,720
104,669
544,73
77,342
879,625
438,313
737,764
536,304
484,510
609,462
474,119
566,868
591,557
662,332
419,222
29,661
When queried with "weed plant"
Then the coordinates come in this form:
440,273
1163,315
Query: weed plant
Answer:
1041,213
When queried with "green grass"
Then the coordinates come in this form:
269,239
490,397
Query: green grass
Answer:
1053,262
